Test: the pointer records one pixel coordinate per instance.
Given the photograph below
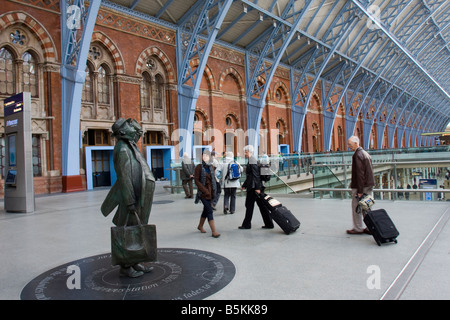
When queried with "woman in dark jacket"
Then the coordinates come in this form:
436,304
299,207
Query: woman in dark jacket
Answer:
203,174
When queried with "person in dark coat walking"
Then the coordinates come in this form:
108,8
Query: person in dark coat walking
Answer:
187,175
362,182
254,187
206,189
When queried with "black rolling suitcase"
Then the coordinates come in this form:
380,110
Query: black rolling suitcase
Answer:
381,226
280,214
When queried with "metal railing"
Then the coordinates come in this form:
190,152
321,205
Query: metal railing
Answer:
294,169
441,194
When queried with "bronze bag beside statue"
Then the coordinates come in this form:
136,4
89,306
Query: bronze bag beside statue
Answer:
133,244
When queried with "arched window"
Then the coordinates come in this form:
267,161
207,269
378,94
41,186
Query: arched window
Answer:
159,92
87,95
279,94
103,85
153,92
29,74
146,91
200,127
7,74
281,136
22,65
98,94
25,80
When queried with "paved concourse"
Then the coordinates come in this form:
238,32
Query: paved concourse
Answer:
319,261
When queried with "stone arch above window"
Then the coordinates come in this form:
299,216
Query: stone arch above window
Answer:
315,128
201,121
209,77
281,91
29,29
99,55
231,72
232,121
207,74
115,60
281,126
201,124
25,72
153,52
317,100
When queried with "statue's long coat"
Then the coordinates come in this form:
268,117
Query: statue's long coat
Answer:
135,184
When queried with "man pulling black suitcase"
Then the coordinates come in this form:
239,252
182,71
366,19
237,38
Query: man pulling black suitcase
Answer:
381,226
378,222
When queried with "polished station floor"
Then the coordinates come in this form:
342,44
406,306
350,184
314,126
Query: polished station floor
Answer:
319,261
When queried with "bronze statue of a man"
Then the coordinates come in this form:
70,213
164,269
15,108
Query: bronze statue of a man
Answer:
133,190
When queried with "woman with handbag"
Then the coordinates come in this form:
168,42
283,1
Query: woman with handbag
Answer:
206,189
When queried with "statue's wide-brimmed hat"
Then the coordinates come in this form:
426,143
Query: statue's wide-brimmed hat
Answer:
119,124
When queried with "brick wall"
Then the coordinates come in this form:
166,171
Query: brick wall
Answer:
222,93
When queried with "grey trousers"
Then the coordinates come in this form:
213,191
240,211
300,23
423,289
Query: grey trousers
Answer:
358,224
229,199
188,187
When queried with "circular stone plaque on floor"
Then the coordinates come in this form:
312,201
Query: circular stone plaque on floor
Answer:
179,274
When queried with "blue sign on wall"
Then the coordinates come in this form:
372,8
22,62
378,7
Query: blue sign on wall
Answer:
428,184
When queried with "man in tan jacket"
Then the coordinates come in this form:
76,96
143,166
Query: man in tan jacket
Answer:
362,182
